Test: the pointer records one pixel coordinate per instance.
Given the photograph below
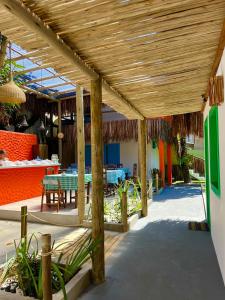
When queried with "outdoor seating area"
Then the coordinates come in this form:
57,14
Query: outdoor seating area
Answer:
104,106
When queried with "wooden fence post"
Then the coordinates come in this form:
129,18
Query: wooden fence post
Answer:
124,211
23,222
46,266
157,182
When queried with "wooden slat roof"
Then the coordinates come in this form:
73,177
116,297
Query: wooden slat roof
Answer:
158,54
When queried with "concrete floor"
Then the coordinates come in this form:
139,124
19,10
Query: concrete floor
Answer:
161,259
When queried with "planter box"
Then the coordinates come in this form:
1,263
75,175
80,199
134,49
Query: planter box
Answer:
73,288
118,227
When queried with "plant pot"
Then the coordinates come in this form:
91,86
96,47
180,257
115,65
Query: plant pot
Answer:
73,288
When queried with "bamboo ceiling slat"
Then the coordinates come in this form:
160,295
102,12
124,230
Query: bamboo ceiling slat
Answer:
158,54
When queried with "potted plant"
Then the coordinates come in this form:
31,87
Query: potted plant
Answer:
22,273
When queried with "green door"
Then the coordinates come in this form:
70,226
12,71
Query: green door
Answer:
206,139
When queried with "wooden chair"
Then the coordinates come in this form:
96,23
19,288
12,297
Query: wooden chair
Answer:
135,173
87,187
108,188
49,171
55,191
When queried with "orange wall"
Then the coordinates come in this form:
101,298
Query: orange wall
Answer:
18,184
17,145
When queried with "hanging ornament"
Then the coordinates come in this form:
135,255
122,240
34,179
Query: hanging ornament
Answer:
24,122
10,92
42,126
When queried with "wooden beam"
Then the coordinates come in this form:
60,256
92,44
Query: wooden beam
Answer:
25,71
98,261
48,77
55,85
37,25
114,93
60,130
62,92
142,135
219,53
38,93
33,22
80,152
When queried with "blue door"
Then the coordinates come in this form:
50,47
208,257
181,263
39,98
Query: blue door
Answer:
112,154
87,155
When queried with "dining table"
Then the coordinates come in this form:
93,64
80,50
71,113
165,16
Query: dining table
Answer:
68,182
116,175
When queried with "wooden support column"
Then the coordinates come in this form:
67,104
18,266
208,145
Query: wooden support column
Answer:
98,261
162,162
60,130
142,136
169,164
80,152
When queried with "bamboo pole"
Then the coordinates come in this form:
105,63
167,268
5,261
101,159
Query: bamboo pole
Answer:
98,261
60,130
157,182
46,266
23,222
124,211
3,50
80,152
142,136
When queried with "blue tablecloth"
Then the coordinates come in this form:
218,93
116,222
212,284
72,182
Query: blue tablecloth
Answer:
114,175
126,170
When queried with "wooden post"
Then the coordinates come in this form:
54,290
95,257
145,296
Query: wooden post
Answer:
157,182
60,130
124,211
98,261
46,266
23,222
80,152
169,164
162,162
142,135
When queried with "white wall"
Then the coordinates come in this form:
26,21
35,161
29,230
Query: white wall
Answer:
129,155
217,205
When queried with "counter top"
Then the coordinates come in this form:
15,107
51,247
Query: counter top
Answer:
29,166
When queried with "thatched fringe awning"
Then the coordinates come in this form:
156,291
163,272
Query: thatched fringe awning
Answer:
126,130
40,106
186,124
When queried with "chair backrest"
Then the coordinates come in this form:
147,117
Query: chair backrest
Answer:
135,170
49,171
111,167
105,175
49,183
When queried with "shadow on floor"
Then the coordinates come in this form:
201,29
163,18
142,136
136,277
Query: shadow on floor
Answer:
162,261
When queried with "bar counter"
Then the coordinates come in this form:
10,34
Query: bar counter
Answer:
22,182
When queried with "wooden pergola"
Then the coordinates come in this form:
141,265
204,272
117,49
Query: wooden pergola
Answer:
143,58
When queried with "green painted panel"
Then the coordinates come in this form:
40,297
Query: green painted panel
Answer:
214,150
206,144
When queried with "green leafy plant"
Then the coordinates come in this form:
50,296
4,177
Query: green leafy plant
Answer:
25,267
7,110
112,207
